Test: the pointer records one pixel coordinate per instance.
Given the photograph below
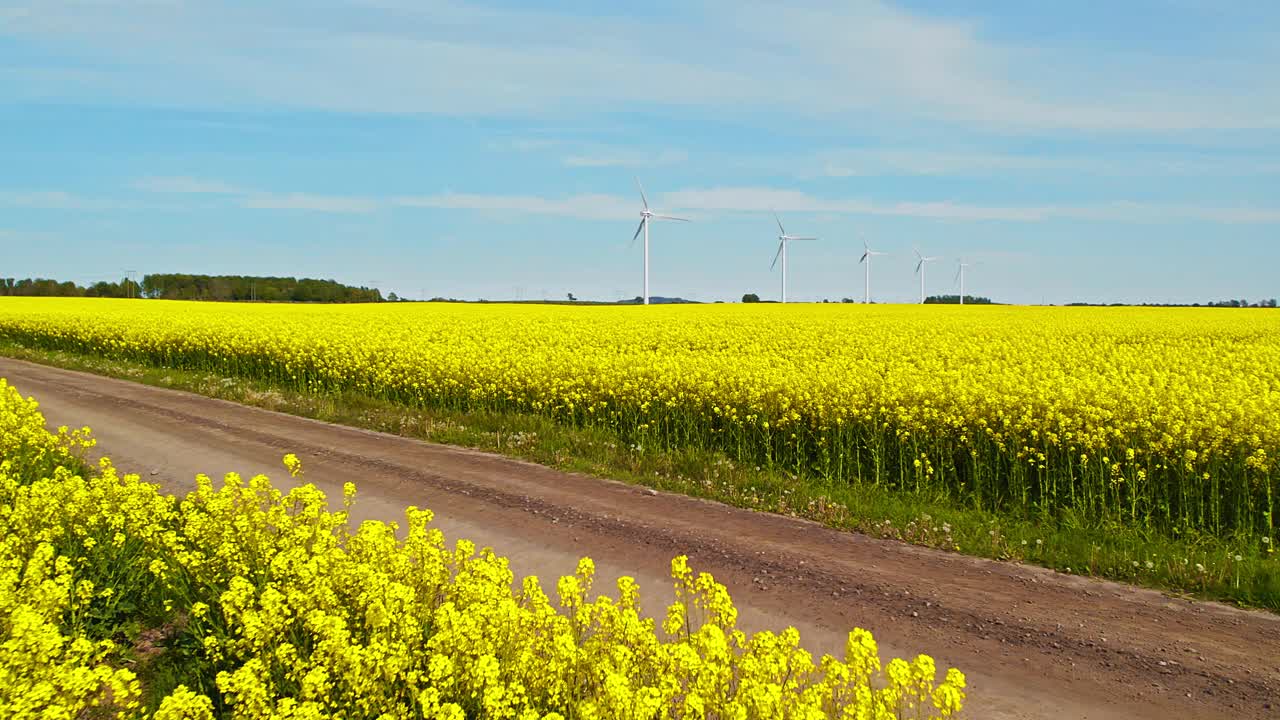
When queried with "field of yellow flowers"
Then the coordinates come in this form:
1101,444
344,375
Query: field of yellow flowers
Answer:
1163,418
240,602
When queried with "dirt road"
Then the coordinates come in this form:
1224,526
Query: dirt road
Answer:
1034,644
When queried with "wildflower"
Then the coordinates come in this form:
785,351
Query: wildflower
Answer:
293,464
312,618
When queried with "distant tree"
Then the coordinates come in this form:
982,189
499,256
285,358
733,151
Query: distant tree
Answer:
955,300
40,287
572,298
751,298
174,286
102,288
846,300
393,298
130,288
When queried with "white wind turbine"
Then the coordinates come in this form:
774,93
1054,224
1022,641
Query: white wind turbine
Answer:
783,239
867,254
647,215
960,277
923,260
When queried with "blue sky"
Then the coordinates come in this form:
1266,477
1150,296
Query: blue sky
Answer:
1094,151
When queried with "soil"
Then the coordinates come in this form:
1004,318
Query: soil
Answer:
1034,643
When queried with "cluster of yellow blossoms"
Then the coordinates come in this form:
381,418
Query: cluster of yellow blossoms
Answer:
269,605
1151,417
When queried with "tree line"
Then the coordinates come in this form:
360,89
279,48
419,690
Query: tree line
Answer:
177,286
955,300
1267,303
47,287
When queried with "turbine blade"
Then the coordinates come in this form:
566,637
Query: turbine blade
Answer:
779,221
672,217
633,237
644,199
777,255
865,255
917,252
957,277
804,238
919,265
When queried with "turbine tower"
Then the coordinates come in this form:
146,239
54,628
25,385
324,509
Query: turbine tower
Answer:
867,254
960,277
783,239
923,259
646,216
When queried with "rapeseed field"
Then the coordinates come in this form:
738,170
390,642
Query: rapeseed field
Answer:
1158,418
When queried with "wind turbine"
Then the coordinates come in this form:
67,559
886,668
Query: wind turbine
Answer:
783,239
646,216
923,259
867,254
960,277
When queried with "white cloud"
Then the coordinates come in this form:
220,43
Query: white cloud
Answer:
874,161
187,185
1157,213
307,201
749,199
27,235
622,157
524,145
593,155
584,206
843,62
254,199
55,200
757,199
594,206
